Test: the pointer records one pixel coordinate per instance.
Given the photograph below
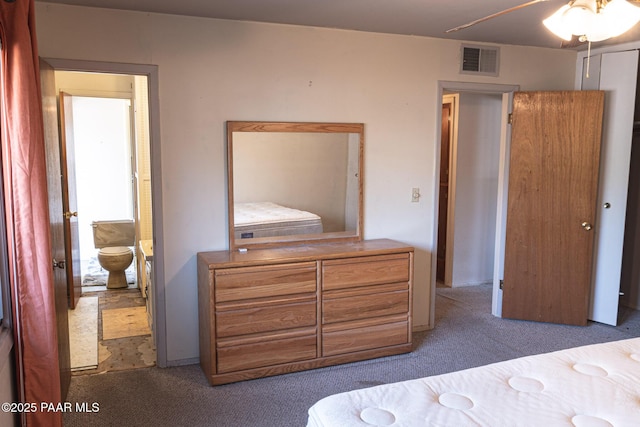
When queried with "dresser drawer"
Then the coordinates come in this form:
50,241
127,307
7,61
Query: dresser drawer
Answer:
365,302
361,271
266,353
265,316
232,284
281,309
366,337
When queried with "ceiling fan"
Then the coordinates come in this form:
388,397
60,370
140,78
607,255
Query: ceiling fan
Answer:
580,21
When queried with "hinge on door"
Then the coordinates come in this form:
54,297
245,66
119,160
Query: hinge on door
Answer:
501,283
510,118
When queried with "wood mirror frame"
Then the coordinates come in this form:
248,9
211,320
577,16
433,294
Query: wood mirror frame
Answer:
311,168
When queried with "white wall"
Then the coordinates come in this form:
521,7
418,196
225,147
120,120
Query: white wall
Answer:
212,71
478,153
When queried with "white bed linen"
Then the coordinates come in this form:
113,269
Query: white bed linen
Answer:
267,219
591,386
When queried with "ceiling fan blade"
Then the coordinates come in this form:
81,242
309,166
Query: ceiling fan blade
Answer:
495,15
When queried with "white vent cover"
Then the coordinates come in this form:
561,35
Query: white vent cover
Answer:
482,60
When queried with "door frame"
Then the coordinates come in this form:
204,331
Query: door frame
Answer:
454,100
151,72
106,94
507,96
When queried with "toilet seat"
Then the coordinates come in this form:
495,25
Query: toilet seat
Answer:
115,251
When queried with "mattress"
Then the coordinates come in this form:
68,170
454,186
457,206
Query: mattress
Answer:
596,385
266,219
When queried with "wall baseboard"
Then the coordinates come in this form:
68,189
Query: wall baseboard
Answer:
460,285
183,362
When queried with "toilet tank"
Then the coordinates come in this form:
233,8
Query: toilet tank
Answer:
113,233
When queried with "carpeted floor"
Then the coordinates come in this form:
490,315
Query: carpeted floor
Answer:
465,335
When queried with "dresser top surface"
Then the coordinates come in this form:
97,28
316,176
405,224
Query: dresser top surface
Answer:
303,252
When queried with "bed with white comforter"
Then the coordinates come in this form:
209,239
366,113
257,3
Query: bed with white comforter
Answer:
590,386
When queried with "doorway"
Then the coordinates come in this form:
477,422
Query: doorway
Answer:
155,269
104,175
110,162
448,129
468,189
472,160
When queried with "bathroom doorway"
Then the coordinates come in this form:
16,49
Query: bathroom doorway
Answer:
103,167
111,329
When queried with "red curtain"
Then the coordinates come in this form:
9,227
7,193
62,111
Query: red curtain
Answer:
25,190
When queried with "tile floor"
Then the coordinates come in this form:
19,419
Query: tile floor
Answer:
123,352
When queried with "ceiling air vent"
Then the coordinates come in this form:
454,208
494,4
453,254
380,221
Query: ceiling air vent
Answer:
481,60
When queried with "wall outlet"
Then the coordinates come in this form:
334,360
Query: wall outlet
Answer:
415,195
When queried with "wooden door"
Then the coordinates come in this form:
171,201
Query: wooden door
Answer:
443,203
69,200
54,189
553,183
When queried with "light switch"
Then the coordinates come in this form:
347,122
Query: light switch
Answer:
415,195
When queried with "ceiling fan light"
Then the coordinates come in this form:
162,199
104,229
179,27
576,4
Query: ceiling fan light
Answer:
555,23
579,19
616,18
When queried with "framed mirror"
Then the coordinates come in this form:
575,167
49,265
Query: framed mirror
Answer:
294,183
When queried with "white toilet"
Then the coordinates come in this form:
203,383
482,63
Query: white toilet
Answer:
114,239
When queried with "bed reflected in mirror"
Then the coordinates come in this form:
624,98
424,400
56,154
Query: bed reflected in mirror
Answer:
293,183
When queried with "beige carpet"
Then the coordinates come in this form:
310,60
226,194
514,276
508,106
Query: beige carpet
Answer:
124,322
465,335
83,334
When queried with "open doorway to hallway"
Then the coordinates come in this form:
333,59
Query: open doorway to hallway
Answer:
468,187
505,93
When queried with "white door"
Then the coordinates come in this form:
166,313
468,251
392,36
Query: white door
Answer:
618,76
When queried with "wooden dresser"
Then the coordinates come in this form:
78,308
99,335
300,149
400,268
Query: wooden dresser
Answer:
272,311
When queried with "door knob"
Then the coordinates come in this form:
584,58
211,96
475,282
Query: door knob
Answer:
586,226
58,264
68,215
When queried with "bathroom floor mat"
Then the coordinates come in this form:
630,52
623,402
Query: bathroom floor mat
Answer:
124,322
94,275
83,334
